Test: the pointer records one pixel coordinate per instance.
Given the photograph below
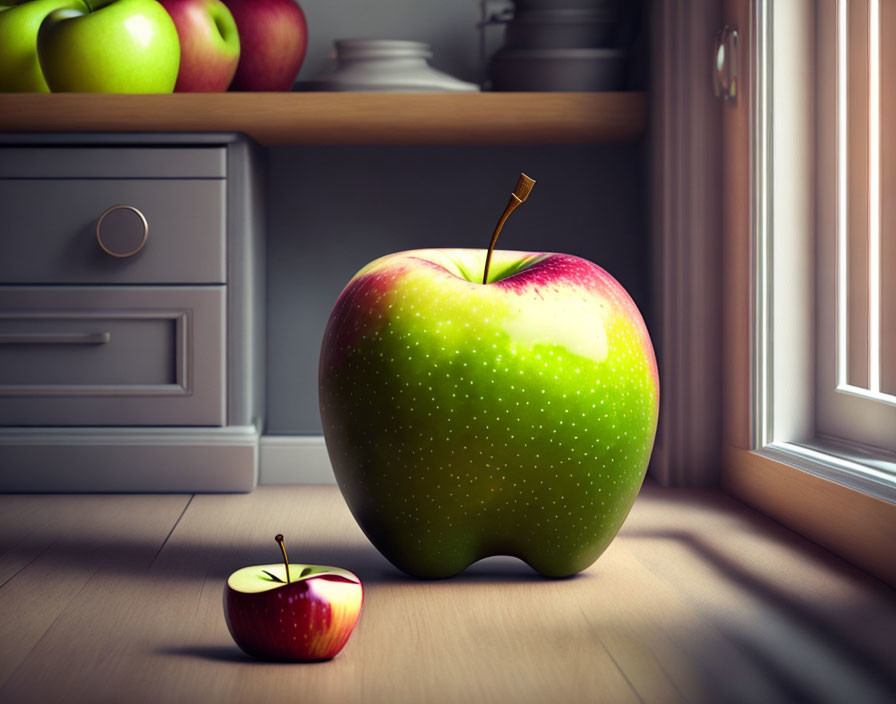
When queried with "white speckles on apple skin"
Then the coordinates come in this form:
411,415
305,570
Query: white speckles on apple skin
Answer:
454,436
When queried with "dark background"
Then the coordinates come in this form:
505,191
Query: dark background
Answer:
333,209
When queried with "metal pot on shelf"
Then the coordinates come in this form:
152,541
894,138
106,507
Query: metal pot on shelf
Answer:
592,5
560,29
561,45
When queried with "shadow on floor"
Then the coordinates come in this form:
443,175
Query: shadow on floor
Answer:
856,635
192,560
216,653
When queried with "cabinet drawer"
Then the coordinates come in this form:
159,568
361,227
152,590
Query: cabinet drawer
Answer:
112,356
49,231
97,161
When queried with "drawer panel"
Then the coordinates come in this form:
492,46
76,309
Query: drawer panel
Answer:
112,162
112,356
48,231
103,349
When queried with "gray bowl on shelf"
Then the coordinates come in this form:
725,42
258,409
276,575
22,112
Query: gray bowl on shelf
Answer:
384,65
559,70
561,29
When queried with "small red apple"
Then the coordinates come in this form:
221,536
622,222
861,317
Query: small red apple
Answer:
294,613
273,40
209,44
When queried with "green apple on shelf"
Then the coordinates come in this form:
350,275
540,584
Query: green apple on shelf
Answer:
292,612
465,420
115,46
19,68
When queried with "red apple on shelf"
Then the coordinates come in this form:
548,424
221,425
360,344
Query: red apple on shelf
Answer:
209,44
273,40
292,612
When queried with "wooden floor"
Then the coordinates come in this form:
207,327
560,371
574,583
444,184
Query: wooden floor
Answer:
107,598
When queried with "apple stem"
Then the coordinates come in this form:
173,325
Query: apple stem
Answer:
279,539
519,195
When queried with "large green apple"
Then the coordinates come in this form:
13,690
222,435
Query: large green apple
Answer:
465,419
19,69
118,46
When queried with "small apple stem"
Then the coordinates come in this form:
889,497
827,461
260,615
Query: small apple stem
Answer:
279,539
519,195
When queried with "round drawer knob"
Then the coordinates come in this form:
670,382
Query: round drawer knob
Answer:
122,231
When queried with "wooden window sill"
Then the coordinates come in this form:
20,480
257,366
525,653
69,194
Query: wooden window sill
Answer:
858,527
700,599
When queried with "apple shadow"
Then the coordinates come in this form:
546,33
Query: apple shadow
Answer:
496,569
191,559
228,654
218,653
366,562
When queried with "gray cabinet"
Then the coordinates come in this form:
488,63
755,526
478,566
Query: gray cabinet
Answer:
131,312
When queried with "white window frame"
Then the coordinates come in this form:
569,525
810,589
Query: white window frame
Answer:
785,157
849,341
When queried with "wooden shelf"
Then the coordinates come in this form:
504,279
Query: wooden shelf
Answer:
343,118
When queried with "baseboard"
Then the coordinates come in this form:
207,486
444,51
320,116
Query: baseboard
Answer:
187,460
180,460
294,459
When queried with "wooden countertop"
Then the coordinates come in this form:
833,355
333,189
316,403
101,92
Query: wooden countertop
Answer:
343,118
699,599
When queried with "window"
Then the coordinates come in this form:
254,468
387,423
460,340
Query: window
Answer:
856,378
823,148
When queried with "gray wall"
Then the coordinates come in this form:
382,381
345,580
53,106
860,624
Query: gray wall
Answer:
333,209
